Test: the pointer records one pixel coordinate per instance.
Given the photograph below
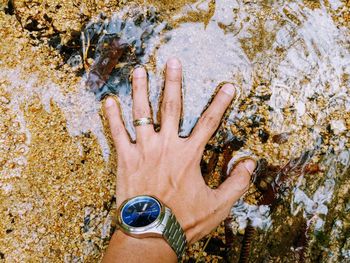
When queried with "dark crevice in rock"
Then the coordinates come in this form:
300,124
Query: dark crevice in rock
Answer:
33,25
10,9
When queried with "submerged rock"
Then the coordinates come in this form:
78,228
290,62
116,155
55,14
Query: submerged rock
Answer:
117,45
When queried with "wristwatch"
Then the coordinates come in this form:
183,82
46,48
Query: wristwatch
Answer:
146,216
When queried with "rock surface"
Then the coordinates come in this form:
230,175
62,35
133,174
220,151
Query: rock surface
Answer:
57,163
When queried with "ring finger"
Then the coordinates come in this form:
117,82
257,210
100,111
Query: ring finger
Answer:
141,107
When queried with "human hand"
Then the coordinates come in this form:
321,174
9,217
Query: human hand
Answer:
167,166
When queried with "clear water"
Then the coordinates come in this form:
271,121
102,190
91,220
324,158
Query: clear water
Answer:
295,54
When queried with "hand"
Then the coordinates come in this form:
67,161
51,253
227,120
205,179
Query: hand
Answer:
167,166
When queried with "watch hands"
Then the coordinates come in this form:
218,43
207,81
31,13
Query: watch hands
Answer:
146,212
144,207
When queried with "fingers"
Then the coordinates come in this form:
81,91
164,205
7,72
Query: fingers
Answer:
171,104
118,131
141,108
210,120
237,183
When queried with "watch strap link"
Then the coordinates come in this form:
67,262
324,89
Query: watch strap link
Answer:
174,235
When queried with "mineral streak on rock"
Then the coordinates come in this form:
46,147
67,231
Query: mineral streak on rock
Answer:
271,180
281,138
246,244
111,52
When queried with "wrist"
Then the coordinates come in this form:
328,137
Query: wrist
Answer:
124,248
146,216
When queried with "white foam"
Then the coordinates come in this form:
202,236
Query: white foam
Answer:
317,52
316,206
338,126
335,4
205,65
80,108
259,216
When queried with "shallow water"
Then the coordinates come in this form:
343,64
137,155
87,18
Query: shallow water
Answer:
291,60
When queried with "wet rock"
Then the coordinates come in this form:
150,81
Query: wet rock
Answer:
72,48
4,100
216,247
55,41
33,25
337,126
267,246
281,138
300,107
236,143
10,9
255,121
263,92
263,135
117,45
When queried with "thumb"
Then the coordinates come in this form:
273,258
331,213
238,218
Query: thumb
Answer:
237,183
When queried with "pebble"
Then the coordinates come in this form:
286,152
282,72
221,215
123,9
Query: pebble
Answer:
4,100
338,126
300,107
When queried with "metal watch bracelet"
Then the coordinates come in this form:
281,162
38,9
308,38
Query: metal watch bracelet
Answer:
174,234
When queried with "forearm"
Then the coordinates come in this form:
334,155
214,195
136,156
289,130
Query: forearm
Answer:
123,248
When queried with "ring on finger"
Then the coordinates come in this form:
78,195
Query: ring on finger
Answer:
240,156
143,121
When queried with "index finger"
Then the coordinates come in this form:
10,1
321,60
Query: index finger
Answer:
210,119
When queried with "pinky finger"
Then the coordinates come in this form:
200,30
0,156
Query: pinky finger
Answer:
119,134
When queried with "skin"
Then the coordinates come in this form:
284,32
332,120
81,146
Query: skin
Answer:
167,166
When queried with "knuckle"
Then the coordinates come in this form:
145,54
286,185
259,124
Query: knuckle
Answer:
139,112
220,104
174,75
212,209
139,80
222,99
209,121
171,106
116,130
242,181
244,186
139,83
138,86
110,112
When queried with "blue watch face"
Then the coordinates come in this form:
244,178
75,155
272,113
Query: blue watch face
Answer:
140,211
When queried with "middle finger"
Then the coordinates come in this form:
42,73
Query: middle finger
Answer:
171,104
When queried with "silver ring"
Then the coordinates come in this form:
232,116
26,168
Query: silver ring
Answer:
143,121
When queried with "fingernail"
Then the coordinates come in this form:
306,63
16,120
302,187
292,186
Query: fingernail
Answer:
250,165
109,102
139,72
229,89
173,63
